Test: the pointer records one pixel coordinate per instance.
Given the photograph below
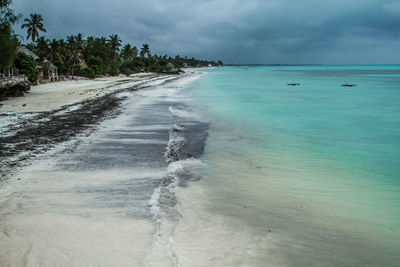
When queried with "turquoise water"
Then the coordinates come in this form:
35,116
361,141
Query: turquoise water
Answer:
317,165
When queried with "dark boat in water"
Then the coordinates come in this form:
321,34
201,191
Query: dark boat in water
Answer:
348,85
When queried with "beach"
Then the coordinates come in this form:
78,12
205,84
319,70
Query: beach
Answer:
102,192
56,112
216,167
51,96
199,133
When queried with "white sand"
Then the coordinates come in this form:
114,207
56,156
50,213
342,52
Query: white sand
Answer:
51,96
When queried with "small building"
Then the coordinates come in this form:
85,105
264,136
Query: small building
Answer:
48,72
9,72
12,70
26,51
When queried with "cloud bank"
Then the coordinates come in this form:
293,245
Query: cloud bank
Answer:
252,31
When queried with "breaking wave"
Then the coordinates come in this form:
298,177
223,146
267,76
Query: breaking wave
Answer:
182,112
186,143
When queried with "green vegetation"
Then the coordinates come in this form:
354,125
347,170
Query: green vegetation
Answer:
8,40
93,56
8,47
76,55
34,24
27,66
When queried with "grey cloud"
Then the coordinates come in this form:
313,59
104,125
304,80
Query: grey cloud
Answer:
253,31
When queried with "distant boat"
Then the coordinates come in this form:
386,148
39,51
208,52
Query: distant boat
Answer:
348,85
293,84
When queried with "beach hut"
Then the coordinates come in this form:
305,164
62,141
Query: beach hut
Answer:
12,70
53,73
48,72
26,51
9,72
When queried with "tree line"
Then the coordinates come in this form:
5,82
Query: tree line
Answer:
89,57
93,56
8,39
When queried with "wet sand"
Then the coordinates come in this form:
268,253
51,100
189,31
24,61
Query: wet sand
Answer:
55,113
98,188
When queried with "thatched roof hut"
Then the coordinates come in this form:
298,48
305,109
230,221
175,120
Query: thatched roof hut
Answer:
26,51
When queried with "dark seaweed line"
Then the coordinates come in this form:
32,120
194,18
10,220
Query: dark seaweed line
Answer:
36,136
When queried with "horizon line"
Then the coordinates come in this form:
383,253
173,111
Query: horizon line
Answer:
262,64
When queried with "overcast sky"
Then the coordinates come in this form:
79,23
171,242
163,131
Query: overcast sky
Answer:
236,31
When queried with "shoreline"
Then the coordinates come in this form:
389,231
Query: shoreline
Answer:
108,197
58,112
50,96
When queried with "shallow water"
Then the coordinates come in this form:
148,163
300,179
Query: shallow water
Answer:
300,175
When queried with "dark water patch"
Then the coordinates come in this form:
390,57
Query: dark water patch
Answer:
187,140
196,135
118,156
142,134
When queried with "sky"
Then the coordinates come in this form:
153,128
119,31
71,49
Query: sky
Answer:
236,31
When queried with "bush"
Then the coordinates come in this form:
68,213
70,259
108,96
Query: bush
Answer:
86,72
63,67
132,66
127,71
27,66
114,70
97,65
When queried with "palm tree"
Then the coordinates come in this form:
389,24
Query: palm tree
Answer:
71,40
135,51
127,52
34,25
74,57
55,54
41,47
79,39
62,48
102,40
145,51
113,48
115,42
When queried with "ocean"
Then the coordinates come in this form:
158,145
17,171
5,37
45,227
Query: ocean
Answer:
305,175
